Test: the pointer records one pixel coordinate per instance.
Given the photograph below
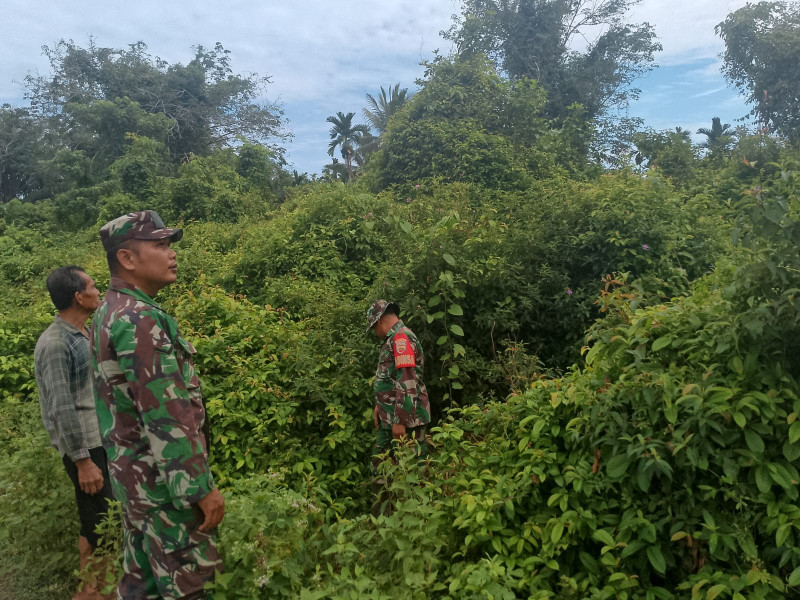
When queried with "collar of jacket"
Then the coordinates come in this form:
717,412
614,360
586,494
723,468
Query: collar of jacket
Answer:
120,285
393,330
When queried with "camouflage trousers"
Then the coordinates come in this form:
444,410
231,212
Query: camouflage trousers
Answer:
167,557
385,442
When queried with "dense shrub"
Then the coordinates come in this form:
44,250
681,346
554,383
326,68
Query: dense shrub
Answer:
659,465
38,519
663,469
279,392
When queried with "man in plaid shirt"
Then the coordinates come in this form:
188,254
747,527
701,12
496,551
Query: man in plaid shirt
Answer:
63,375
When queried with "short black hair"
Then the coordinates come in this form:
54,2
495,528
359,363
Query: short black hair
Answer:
111,255
63,283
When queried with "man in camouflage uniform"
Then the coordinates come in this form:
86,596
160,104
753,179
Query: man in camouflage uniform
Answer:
151,416
402,408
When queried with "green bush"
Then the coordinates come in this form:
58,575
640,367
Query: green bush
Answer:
277,394
38,520
657,462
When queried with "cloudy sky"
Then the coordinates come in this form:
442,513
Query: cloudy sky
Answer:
324,57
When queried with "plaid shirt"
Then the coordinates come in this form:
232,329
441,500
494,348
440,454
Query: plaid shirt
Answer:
63,374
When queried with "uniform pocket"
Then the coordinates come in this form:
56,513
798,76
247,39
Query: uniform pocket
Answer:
185,558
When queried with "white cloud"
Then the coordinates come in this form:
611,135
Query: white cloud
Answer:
685,28
708,93
321,56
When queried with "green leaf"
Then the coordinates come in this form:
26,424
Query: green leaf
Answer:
644,475
737,365
794,432
458,350
739,419
794,577
456,329
671,413
593,352
715,591
449,259
617,466
780,475
662,342
633,548
556,533
747,544
782,534
657,559
434,301
456,310
406,226
589,562
601,535
763,479
791,451
441,340
754,441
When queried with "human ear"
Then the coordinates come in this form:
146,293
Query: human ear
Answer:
125,258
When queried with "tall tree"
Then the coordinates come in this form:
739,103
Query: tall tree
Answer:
669,150
718,137
467,123
22,144
381,109
208,105
334,171
762,60
541,40
346,135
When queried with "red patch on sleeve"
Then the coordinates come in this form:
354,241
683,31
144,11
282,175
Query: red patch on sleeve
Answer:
403,352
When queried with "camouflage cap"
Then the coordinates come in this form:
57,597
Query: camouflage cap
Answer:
376,311
142,225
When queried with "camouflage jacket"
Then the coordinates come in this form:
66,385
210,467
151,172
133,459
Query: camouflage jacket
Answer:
149,403
400,394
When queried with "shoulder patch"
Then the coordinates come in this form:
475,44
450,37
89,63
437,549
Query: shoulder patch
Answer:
403,351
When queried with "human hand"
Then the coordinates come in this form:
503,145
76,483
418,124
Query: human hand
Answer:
90,477
375,417
213,507
398,431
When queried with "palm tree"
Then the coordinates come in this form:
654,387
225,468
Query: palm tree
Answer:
386,105
345,135
367,145
335,171
718,136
